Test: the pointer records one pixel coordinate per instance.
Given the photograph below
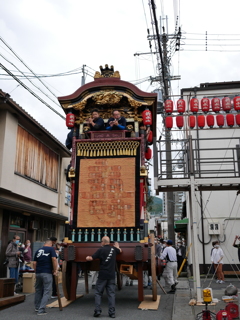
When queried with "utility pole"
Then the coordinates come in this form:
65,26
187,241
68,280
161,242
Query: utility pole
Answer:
165,73
83,76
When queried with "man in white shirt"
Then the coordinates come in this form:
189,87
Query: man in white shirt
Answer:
170,271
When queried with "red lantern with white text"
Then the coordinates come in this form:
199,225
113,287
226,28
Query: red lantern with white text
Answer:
236,103
168,105
70,120
210,120
220,120
194,105
216,105
169,122
148,154
205,105
230,120
181,106
147,117
179,121
192,121
226,104
237,117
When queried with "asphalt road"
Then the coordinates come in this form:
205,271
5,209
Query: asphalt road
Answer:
83,308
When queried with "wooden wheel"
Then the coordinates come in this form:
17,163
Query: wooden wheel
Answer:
69,279
119,278
153,268
65,280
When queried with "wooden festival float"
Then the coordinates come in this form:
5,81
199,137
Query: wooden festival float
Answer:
109,180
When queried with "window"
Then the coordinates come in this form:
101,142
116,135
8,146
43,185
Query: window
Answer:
36,161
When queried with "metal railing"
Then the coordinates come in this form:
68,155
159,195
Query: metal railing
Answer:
202,157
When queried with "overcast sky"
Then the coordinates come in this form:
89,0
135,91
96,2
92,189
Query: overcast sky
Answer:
56,36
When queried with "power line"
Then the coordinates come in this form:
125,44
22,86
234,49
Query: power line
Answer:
26,65
29,90
30,81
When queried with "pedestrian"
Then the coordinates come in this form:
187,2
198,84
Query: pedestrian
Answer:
45,266
106,278
181,252
27,253
237,246
13,255
170,271
217,259
54,288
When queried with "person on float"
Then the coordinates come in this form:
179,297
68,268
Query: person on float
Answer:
96,123
116,122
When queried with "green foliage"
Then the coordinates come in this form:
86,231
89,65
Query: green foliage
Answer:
154,205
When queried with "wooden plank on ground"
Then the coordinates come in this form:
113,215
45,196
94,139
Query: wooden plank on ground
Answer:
64,301
149,304
10,301
231,273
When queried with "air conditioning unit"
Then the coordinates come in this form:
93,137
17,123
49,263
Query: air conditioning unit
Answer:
34,225
214,228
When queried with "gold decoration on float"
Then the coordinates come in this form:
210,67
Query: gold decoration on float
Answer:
107,97
107,148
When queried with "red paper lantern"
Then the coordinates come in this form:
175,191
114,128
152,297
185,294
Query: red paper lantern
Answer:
205,105
220,120
230,120
150,137
236,103
180,121
147,117
169,122
237,117
194,105
226,104
201,121
216,105
70,120
148,154
210,120
181,106
168,105
192,121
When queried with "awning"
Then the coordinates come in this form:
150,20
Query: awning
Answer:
181,225
7,203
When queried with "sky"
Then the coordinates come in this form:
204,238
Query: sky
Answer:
57,36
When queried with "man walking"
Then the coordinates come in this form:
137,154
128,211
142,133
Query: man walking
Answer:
45,265
170,271
106,278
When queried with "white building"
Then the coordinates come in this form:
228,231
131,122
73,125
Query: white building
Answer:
33,195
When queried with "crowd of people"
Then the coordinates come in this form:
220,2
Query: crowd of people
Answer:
46,266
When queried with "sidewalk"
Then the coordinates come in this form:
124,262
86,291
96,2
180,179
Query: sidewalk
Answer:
184,293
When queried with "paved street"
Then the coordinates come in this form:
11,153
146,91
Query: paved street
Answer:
126,307
172,307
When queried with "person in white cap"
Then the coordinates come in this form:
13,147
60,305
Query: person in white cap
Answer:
170,271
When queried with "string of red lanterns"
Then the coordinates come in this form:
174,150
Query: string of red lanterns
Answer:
202,121
216,105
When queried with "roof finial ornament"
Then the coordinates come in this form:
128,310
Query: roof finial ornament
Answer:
107,72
